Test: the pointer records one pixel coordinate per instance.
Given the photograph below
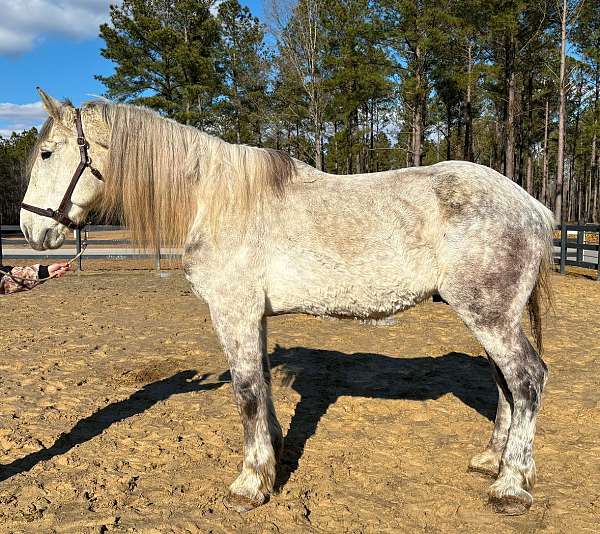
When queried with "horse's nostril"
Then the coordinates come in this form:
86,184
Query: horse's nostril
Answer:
26,233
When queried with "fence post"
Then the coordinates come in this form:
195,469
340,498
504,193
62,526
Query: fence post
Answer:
0,239
157,252
563,247
580,241
78,247
157,260
598,257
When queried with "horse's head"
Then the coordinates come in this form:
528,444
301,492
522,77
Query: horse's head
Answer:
56,158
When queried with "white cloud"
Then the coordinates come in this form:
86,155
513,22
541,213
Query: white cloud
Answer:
17,128
25,22
17,112
19,117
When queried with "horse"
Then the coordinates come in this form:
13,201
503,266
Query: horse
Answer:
264,234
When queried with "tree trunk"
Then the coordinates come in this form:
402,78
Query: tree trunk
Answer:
416,141
586,193
497,148
448,131
468,115
595,206
371,137
573,179
529,178
509,153
527,136
318,149
559,204
349,161
544,195
593,179
418,115
594,175
335,147
409,139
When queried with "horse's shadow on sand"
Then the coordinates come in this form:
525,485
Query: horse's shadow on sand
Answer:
320,377
95,424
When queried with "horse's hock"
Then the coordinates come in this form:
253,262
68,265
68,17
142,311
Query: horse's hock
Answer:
118,414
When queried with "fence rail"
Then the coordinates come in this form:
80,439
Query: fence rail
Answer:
566,251
572,251
13,247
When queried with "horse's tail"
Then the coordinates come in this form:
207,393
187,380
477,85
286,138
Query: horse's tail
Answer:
541,297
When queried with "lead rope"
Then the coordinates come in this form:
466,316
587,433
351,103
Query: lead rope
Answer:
30,284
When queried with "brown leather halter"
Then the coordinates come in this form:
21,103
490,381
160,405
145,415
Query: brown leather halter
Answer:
60,215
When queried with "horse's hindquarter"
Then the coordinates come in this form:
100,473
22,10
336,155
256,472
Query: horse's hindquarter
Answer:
353,245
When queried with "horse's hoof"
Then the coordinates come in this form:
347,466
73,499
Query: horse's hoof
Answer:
239,503
510,505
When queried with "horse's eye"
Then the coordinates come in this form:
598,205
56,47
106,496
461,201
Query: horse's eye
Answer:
46,154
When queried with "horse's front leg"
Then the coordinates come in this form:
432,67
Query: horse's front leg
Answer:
243,336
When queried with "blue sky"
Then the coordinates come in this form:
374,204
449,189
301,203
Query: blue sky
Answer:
53,44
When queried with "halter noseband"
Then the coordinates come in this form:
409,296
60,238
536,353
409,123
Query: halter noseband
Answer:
60,215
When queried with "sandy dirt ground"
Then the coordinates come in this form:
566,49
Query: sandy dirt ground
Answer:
117,416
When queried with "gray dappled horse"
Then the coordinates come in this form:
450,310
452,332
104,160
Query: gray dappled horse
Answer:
264,234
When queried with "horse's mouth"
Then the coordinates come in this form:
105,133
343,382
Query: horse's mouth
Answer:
54,239
49,239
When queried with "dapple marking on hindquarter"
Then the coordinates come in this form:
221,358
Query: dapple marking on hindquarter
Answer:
264,234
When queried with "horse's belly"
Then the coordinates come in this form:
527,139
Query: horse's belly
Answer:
342,295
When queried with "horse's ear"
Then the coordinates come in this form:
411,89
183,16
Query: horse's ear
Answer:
62,112
51,105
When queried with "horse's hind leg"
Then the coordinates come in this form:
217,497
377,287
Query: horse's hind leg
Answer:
525,375
488,461
242,331
490,299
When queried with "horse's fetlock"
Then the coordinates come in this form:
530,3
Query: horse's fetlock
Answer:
486,462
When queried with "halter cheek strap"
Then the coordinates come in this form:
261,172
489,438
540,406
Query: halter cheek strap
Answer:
60,215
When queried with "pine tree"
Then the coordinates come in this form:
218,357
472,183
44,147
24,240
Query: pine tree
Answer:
244,63
358,79
301,43
164,55
14,153
289,110
413,29
586,36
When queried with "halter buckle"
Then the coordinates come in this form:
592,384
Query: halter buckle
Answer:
81,141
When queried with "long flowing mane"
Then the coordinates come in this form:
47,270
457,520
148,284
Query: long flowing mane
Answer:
159,170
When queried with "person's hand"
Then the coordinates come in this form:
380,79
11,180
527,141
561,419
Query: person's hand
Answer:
57,270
